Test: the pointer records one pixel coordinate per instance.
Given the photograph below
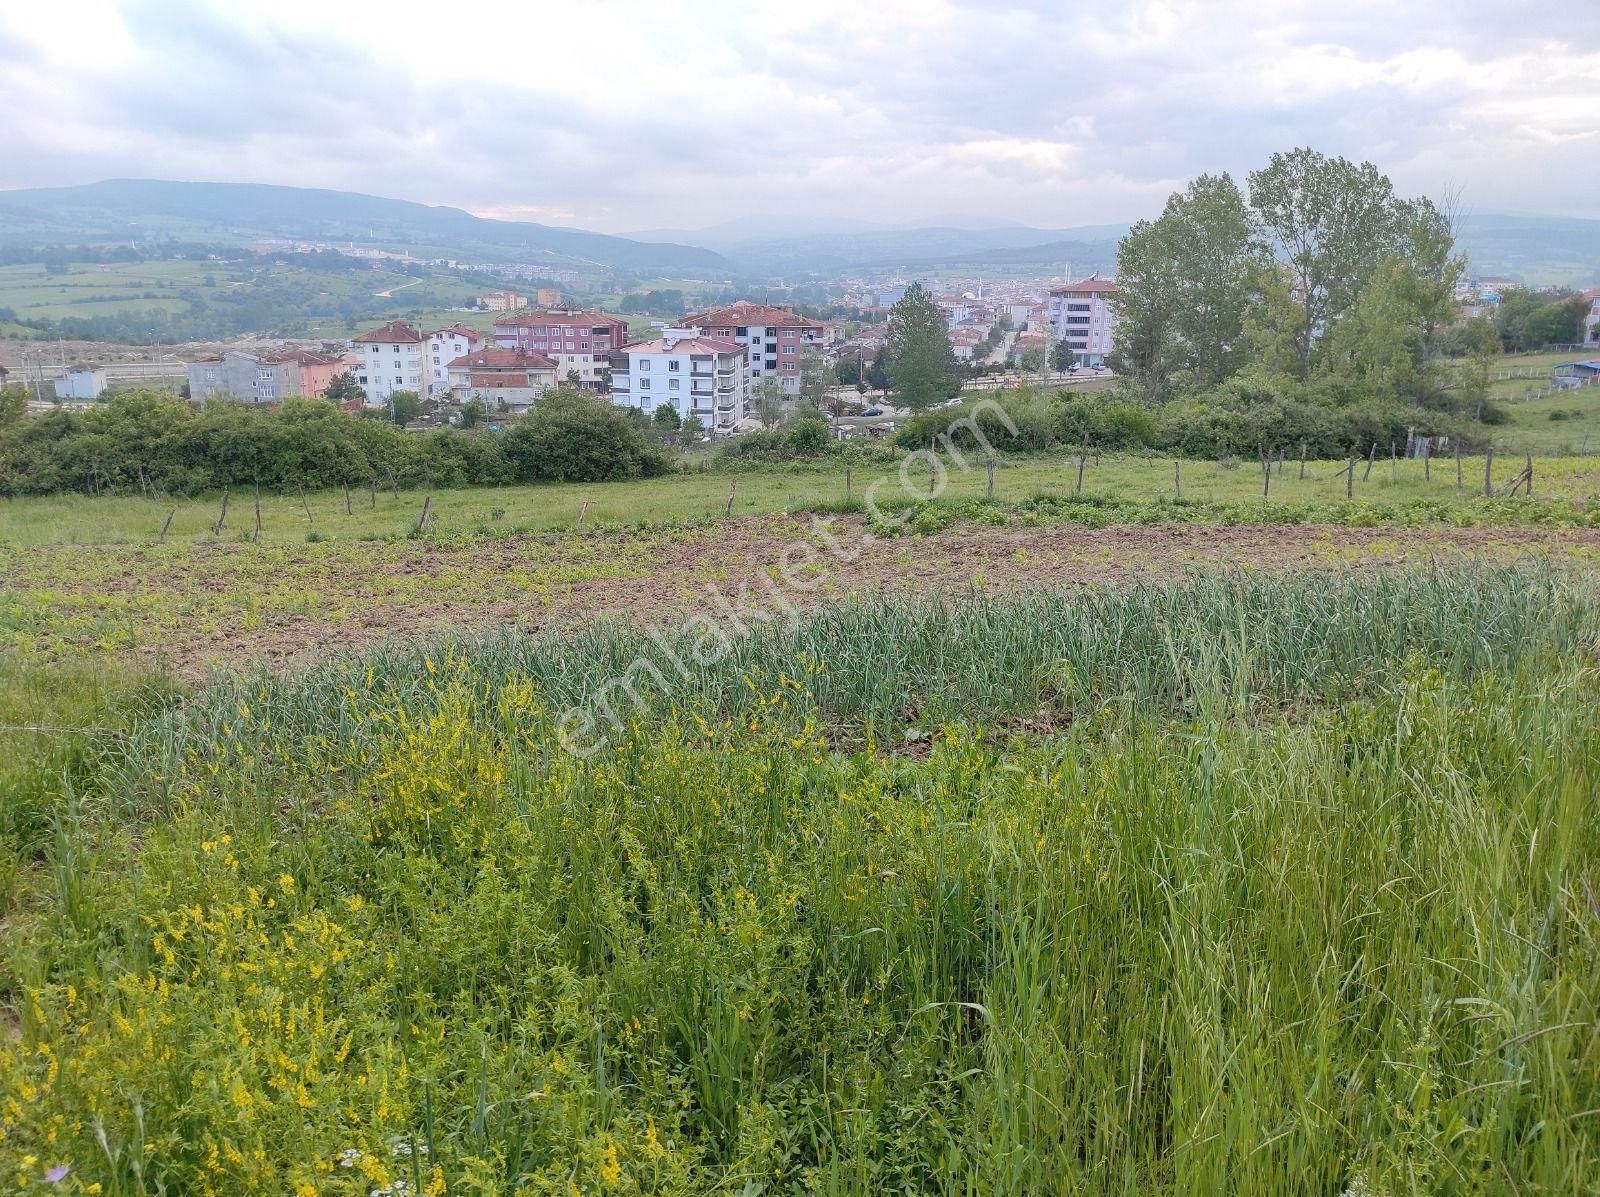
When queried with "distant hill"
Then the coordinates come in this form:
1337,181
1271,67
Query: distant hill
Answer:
127,209
824,253
1083,256
1535,250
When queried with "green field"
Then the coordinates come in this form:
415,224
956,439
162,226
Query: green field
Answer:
1054,841
175,294
700,494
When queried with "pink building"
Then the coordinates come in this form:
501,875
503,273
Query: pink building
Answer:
577,342
772,337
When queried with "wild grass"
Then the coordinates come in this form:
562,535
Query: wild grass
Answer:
1562,484
1289,891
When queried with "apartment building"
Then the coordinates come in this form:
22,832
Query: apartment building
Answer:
1591,320
443,347
578,342
771,337
262,377
1082,315
391,360
703,376
503,301
503,379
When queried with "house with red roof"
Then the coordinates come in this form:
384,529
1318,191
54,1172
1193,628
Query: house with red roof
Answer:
504,380
579,342
771,336
391,360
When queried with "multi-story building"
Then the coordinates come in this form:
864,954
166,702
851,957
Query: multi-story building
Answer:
504,301
578,342
391,360
443,347
1591,321
262,378
504,379
772,337
1082,315
701,376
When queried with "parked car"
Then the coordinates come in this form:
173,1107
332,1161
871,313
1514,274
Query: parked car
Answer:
873,411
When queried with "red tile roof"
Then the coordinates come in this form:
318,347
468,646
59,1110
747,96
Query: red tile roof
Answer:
1089,286
396,332
743,312
503,359
459,330
535,319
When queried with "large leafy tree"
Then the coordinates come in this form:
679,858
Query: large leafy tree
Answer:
1184,285
1334,222
922,370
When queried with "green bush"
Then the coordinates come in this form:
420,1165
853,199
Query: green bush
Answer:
141,442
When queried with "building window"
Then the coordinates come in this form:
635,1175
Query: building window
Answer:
644,363
788,349
672,384
644,384
673,364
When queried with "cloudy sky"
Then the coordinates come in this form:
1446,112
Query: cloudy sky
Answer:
615,115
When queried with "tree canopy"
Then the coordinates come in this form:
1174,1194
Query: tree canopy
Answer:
922,370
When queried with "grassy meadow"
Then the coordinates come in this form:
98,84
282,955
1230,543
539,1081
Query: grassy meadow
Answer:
1403,491
1233,882
1226,886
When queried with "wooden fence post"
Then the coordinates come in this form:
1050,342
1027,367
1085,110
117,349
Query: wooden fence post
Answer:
1350,478
1427,460
222,516
583,510
989,468
422,520
1458,462
1394,463
1528,489
1177,479
394,486
1372,456
1083,460
733,485
847,487
257,536
1266,471
374,494
347,498
310,519
162,538
1488,465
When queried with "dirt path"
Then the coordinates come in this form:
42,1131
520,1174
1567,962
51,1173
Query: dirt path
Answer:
761,558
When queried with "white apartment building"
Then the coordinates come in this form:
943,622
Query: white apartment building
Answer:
1082,315
443,347
701,376
772,337
391,360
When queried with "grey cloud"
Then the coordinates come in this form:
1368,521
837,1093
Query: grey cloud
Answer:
1047,112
